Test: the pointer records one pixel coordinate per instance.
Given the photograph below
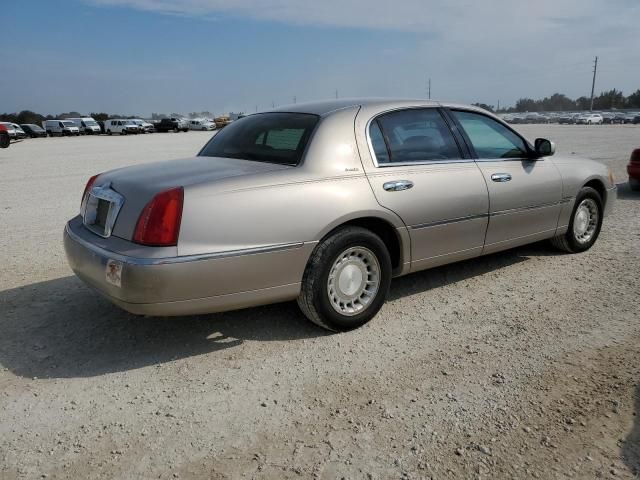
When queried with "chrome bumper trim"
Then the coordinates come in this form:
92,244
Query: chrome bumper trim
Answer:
180,259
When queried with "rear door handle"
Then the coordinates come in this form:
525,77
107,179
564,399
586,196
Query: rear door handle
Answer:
501,177
397,185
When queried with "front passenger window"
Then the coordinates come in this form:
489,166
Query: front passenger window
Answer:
491,139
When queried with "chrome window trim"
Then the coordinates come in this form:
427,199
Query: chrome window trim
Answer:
405,164
138,261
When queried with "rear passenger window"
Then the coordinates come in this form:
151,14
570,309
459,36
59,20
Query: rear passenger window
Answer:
414,135
377,142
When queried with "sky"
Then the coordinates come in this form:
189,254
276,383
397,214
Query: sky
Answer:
145,56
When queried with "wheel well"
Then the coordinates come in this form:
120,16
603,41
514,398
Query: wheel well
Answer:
598,186
385,231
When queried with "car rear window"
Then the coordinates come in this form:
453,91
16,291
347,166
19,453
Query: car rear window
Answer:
265,137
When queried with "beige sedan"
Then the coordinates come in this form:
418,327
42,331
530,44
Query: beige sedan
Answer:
325,203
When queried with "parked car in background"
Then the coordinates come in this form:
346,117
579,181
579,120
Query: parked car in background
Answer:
10,129
33,131
143,125
172,125
325,203
629,117
5,139
60,127
633,170
86,125
222,121
20,133
636,119
590,119
201,125
122,126
619,118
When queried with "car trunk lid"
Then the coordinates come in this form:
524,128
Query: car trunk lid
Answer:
138,184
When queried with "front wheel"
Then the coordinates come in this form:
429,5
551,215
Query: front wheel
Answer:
585,224
346,280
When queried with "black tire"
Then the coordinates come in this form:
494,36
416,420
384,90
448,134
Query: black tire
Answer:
569,242
314,298
176,130
634,184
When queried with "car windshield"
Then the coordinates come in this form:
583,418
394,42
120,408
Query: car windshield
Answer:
266,137
69,124
90,123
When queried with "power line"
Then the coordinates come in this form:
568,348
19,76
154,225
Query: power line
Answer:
593,83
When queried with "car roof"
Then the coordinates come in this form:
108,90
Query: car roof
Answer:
326,107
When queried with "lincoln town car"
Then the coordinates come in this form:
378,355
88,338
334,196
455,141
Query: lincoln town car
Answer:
325,203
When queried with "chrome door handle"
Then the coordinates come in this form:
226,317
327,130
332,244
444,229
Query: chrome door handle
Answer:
397,185
501,177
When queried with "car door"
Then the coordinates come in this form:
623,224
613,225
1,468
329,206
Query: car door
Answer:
419,169
525,193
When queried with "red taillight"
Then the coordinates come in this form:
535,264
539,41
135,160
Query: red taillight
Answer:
159,222
635,156
88,186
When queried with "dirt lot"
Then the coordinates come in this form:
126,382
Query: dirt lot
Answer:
523,364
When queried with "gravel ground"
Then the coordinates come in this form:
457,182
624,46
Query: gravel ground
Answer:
523,364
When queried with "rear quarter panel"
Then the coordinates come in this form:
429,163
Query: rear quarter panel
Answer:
296,205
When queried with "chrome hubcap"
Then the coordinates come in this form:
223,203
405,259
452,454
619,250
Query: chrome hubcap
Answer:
585,220
353,281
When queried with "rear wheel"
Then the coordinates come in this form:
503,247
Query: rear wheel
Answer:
585,224
346,280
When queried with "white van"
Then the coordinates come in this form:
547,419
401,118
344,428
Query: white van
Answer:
86,125
60,127
201,125
122,126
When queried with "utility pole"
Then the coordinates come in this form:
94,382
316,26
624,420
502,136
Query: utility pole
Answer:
429,88
498,109
593,83
295,100
273,104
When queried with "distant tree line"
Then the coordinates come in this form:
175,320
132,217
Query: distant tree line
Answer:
27,116
558,102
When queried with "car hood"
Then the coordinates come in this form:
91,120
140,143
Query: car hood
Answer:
138,184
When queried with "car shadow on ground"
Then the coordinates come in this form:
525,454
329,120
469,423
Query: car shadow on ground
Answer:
631,445
625,192
61,329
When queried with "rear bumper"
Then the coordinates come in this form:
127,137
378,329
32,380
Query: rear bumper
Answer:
169,286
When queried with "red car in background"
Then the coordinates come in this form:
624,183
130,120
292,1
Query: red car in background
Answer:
633,169
4,136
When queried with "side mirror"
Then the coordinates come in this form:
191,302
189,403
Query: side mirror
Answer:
544,147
